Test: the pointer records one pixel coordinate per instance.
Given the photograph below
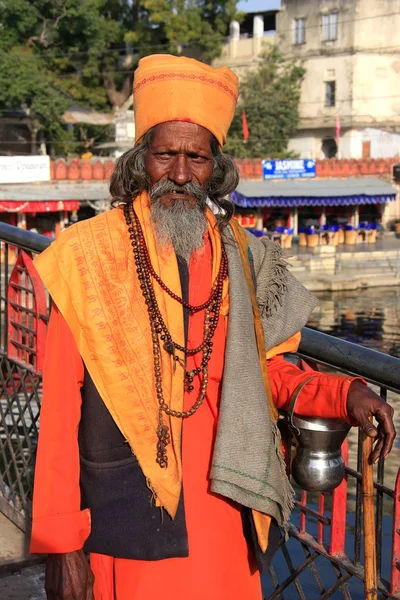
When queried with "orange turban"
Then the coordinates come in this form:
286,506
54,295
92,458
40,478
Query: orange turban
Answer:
172,88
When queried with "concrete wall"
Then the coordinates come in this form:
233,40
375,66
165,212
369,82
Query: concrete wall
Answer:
376,25
124,127
376,88
383,144
242,55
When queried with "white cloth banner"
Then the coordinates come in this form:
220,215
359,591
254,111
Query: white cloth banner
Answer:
23,169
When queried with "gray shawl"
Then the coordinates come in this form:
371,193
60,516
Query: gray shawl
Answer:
247,464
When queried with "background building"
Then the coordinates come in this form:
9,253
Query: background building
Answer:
351,52
350,100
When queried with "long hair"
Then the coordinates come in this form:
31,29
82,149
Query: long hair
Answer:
130,179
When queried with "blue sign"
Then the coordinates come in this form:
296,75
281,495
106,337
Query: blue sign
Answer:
288,169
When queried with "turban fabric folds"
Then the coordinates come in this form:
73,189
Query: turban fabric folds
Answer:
172,88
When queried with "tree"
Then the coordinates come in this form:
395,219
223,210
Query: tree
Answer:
270,97
73,38
24,84
86,50
193,27
57,52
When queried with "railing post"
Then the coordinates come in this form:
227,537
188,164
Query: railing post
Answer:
395,564
339,506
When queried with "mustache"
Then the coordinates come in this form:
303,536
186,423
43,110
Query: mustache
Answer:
159,189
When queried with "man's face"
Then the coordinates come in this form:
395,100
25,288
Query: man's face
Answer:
180,153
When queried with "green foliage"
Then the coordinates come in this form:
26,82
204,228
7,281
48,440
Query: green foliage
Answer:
57,52
24,84
191,27
270,98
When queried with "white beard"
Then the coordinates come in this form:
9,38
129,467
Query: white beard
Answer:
181,224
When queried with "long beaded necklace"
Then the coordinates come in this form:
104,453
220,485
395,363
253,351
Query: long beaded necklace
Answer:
161,336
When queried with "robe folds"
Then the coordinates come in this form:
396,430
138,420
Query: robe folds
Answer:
219,565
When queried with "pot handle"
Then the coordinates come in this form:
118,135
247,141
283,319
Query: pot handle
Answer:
289,415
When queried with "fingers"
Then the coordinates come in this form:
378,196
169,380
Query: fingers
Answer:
387,425
378,449
368,428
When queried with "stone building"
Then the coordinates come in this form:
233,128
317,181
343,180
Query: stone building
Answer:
350,101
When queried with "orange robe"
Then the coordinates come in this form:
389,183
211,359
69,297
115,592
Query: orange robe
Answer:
218,566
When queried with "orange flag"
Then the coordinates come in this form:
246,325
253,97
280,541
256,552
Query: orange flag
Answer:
245,127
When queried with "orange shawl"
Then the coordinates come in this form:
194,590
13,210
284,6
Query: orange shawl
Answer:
90,273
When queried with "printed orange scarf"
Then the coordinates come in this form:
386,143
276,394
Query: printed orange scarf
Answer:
90,273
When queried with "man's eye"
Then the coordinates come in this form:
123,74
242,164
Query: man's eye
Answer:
198,158
164,157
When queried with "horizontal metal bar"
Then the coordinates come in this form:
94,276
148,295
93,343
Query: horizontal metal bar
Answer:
22,346
33,242
21,288
22,309
351,358
23,327
378,486
312,513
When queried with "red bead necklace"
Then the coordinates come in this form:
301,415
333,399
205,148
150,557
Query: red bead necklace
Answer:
161,337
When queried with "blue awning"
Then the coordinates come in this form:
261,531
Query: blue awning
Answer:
317,192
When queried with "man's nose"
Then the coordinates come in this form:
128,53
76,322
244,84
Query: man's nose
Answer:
180,172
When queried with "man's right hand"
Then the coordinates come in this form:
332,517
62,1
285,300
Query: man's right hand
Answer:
69,577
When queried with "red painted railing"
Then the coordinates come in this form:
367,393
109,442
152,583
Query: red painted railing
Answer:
97,170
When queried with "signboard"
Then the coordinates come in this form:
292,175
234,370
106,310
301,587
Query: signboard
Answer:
24,169
288,169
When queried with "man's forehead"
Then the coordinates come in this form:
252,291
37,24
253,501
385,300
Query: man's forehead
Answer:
177,132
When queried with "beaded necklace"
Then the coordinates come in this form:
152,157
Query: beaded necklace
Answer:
161,337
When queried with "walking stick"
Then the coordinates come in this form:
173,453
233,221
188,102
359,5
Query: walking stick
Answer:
370,582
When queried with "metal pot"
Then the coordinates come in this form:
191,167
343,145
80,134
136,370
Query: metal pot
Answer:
317,464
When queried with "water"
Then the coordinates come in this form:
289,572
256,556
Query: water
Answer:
368,317
371,318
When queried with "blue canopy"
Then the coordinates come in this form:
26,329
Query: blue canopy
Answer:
317,192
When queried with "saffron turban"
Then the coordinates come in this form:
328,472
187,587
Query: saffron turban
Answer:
172,88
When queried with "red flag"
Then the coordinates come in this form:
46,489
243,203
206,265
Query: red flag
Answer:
245,127
337,129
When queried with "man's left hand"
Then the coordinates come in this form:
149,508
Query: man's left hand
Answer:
363,403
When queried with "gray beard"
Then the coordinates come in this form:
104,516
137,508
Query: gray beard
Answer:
180,224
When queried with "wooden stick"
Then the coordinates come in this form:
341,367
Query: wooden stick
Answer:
370,580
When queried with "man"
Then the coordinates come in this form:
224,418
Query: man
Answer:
158,452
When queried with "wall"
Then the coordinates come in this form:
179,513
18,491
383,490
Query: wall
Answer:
377,25
124,124
376,89
242,55
304,144
249,168
383,144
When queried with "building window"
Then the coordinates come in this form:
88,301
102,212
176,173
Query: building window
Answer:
299,31
330,93
330,27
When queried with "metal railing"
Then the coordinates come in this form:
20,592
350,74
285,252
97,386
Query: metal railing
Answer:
322,557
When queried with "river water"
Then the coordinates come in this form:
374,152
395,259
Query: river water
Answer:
371,318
